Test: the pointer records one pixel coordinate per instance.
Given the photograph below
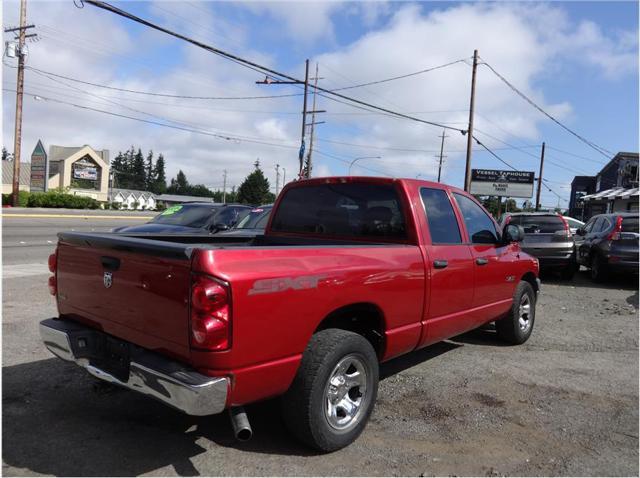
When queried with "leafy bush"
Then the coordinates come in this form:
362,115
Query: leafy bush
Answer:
23,198
61,200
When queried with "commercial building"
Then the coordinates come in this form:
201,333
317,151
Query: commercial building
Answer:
613,189
82,170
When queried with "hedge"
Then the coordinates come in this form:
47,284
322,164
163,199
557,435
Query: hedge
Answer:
23,198
61,200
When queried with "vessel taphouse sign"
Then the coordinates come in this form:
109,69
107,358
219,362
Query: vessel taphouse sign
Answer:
492,182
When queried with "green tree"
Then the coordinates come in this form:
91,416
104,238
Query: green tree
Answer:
138,171
255,188
179,184
148,171
159,183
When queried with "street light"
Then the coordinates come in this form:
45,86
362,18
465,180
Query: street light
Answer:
361,157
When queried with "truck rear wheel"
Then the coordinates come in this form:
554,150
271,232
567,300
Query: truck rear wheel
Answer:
516,327
333,394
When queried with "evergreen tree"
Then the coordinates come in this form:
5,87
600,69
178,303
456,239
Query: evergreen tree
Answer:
179,184
138,171
118,166
148,171
159,184
255,188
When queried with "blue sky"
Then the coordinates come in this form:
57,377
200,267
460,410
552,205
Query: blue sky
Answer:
578,60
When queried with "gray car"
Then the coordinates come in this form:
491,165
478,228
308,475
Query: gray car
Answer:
547,236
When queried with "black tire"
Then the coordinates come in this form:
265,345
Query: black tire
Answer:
597,271
305,403
509,328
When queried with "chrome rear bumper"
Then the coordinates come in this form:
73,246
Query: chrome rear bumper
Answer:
148,373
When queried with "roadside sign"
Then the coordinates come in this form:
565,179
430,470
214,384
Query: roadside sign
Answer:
492,182
39,169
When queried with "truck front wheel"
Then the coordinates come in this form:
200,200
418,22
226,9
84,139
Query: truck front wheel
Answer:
333,394
516,327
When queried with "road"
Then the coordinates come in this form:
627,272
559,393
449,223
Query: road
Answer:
565,403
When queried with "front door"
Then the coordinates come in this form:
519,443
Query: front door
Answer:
449,265
493,262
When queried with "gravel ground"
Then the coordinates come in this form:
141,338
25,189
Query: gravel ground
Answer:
565,403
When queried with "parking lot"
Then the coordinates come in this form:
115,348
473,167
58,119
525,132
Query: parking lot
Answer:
565,403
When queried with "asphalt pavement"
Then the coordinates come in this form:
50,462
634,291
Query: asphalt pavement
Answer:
564,403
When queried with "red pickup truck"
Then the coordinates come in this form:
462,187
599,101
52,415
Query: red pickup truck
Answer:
350,272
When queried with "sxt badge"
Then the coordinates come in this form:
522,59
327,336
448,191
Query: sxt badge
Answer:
280,284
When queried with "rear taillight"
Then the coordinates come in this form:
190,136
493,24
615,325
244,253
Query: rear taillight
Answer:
567,229
53,267
210,313
615,234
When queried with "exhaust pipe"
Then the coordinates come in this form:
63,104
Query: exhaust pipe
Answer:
240,422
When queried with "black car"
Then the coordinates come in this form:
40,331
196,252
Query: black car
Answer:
607,243
253,224
191,218
547,237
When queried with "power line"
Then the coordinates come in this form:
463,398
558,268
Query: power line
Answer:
276,75
592,145
577,155
157,123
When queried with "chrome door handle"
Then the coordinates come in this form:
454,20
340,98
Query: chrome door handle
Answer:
440,264
481,261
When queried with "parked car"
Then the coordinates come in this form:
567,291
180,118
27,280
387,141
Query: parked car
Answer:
574,224
251,225
548,237
191,218
608,243
350,272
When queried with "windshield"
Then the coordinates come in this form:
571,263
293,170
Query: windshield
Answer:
539,224
345,209
256,219
187,215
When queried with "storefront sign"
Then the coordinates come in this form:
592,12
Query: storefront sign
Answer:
491,182
39,169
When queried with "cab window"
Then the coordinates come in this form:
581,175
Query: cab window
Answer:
480,227
443,224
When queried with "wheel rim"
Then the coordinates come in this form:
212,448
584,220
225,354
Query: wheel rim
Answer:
524,313
346,393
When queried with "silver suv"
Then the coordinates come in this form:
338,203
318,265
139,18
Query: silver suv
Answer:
547,237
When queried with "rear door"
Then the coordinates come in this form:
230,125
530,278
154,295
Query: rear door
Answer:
449,265
493,262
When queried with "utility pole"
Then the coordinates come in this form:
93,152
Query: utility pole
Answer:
277,178
467,171
224,186
540,179
441,156
284,176
270,81
304,115
313,123
19,92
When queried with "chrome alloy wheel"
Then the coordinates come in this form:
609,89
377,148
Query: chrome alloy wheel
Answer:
346,393
524,313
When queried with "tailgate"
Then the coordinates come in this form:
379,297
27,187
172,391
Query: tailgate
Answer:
134,289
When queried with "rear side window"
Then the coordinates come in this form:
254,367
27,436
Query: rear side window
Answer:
346,209
480,227
630,224
443,224
539,224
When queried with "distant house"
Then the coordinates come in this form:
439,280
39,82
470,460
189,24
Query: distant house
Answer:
613,189
132,199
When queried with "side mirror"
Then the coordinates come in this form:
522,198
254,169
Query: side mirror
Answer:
513,233
219,227
580,231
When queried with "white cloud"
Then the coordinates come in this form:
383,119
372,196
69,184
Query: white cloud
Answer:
523,41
